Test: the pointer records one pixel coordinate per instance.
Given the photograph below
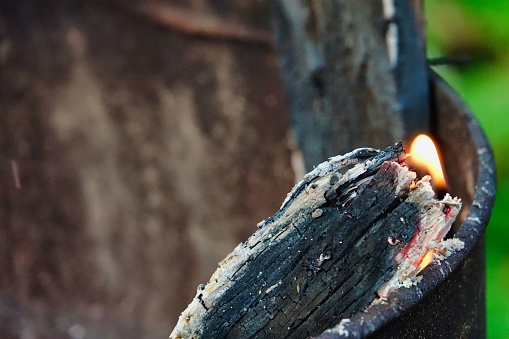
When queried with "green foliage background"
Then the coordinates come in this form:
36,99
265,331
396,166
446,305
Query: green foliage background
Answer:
477,31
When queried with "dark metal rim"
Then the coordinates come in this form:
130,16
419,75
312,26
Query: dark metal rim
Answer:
470,232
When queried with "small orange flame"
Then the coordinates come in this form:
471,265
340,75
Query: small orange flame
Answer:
426,259
424,155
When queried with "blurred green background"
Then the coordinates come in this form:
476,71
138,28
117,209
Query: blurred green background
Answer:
476,34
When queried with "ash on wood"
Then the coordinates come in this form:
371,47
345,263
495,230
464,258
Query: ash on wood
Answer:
322,257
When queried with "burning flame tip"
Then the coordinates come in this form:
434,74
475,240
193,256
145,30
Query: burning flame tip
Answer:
425,155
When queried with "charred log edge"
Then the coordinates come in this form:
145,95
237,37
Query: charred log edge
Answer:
190,23
392,153
470,232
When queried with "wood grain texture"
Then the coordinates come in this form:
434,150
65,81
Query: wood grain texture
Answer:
321,258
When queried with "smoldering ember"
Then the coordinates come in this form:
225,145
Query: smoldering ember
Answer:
352,231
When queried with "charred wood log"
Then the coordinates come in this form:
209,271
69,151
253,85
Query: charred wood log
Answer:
340,240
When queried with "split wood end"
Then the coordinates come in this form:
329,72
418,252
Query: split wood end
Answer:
355,229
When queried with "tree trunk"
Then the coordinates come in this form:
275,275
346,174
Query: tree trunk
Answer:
341,86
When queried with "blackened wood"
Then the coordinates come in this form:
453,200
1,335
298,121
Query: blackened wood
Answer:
337,74
321,258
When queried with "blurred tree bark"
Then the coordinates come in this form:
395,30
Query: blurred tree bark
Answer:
142,140
341,86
